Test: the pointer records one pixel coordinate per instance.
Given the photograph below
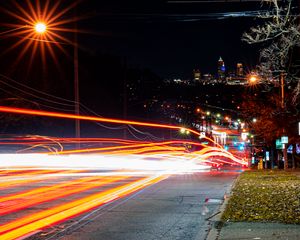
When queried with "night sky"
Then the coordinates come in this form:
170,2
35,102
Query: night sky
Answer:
165,39
170,38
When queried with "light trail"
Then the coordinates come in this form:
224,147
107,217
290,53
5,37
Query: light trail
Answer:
120,167
88,118
14,203
27,173
102,149
97,119
36,221
138,145
8,183
154,159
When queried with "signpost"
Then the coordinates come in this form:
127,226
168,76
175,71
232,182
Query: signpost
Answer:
267,155
279,144
284,139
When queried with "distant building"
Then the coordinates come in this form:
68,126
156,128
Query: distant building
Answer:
196,75
239,70
208,79
221,70
236,80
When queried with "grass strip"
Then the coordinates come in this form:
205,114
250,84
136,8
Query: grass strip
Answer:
265,196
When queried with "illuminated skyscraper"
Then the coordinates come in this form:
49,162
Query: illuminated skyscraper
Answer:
196,75
239,70
221,70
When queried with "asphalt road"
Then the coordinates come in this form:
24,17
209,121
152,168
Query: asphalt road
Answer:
174,208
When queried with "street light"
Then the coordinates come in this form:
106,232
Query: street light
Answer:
253,79
40,27
39,23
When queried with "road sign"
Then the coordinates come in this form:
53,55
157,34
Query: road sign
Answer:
267,155
202,135
284,139
278,144
244,136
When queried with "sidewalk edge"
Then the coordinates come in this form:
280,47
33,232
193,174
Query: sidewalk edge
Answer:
216,222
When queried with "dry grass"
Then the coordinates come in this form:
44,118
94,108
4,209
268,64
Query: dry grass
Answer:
265,196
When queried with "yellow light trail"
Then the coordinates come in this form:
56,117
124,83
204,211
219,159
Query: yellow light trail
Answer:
23,181
36,221
116,148
15,202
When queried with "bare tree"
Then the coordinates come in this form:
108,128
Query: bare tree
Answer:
280,33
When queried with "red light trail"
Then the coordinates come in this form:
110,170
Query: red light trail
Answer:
88,118
120,167
36,221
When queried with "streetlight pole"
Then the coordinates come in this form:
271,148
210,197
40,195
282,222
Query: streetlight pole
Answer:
286,164
76,88
41,28
282,89
253,80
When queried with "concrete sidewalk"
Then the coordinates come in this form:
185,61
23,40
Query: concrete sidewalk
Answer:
248,230
251,230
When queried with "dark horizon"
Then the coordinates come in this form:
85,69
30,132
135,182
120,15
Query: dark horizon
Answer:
173,39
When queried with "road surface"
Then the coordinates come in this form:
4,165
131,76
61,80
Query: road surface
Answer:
174,208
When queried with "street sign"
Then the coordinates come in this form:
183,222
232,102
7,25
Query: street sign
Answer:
267,155
244,136
202,135
278,144
284,139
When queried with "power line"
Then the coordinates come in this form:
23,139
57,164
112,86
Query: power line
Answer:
213,1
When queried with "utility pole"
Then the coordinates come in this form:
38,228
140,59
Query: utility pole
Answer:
76,84
125,96
286,164
282,89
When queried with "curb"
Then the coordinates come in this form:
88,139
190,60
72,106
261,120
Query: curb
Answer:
215,219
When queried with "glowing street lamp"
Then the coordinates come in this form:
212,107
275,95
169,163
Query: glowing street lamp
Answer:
253,79
40,27
41,22
182,130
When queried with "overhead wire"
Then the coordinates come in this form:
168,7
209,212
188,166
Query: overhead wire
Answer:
64,102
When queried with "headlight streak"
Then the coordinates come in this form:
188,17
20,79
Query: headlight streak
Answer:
134,159
27,173
13,182
138,145
100,162
36,221
12,203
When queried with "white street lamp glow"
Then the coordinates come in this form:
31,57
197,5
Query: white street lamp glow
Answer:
182,130
40,27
